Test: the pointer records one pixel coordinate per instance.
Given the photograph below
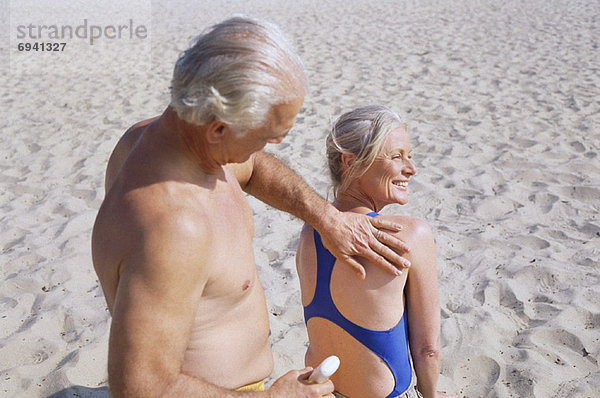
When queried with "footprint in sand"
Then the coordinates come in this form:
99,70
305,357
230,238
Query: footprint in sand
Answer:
583,193
543,201
494,207
577,146
480,372
561,346
519,381
530,241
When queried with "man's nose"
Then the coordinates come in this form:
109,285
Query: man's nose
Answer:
275,140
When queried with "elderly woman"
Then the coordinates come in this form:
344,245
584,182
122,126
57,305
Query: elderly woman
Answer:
370,324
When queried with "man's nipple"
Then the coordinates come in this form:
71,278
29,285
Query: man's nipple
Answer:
246,285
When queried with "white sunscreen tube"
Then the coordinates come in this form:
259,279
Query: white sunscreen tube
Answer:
325,370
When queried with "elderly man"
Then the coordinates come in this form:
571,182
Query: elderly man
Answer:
172,242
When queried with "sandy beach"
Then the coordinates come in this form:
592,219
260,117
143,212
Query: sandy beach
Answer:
502,99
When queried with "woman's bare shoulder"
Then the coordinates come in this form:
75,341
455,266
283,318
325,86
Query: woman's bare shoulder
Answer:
412,228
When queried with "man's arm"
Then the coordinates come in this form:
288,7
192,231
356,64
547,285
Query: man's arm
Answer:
345,234
160,287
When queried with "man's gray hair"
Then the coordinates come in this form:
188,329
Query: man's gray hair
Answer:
235,72
361,132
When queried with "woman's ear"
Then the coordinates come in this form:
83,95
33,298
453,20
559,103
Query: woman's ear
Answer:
216,131
348,159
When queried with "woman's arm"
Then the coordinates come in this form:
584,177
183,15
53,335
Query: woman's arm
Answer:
423,308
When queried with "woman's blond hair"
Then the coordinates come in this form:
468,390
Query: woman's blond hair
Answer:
361,132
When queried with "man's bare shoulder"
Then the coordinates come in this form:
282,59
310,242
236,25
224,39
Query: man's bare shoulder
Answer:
165,205
168,230
145,230
151,201
133,133
122,150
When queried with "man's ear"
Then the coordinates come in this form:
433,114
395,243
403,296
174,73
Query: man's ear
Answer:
348,158
216,131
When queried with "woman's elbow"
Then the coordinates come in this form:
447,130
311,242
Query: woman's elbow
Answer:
427,352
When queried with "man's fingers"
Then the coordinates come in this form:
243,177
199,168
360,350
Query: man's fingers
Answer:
383,246
371,238
390,255
358,268
382,222
305,373
324,389
391,241
380,261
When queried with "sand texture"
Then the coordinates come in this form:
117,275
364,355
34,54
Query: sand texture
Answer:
503,103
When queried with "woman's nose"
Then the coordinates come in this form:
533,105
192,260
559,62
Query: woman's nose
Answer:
411,167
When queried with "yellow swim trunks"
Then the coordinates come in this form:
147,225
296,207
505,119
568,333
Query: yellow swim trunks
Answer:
258,386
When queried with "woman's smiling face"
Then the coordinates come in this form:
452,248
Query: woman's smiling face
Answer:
386,181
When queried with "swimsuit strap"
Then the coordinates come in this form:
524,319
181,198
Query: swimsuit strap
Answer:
390,345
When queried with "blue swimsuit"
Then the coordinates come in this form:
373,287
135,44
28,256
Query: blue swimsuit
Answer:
390,345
